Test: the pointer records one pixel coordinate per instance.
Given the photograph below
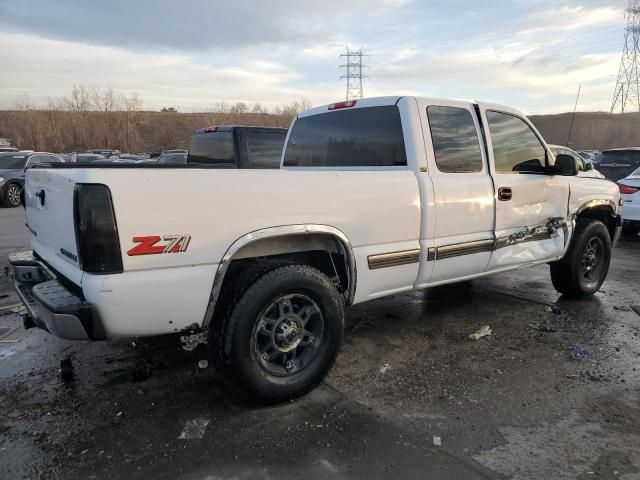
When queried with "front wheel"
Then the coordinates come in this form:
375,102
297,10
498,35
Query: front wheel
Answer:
585,266
12,195
281,334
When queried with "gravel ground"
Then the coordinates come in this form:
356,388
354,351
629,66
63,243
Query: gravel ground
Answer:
511,405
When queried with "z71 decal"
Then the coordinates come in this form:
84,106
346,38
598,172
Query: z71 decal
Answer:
154,244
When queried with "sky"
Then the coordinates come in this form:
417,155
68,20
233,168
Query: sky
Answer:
193,54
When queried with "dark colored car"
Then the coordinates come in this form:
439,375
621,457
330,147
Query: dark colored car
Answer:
617,163
12,168
229,146
172,159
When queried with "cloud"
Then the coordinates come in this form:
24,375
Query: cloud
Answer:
48,68
187,25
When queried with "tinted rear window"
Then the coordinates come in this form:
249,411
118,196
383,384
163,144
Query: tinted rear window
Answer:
213,148
265,148
12,161
363,137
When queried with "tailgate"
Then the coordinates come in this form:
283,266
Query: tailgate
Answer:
49,205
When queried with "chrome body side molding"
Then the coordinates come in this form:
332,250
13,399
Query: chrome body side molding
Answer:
393,259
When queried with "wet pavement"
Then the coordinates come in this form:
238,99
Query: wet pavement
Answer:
516,404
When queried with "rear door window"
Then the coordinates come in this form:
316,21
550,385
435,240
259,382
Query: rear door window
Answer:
516,149
361,137
265,148
212,148
455,140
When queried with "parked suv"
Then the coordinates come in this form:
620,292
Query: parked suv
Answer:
12,168
237,147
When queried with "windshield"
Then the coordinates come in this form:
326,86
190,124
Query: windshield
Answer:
11,162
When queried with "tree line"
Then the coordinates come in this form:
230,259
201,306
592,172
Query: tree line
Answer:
94,117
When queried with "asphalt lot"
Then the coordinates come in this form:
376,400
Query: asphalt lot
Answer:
512,405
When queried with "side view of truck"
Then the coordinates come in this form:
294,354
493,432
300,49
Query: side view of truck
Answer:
374,197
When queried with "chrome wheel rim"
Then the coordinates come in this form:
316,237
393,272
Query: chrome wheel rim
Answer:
13,195
287,336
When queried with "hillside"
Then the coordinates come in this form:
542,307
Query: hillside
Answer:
591,131
66,131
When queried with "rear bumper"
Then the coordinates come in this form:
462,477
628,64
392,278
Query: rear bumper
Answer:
52,305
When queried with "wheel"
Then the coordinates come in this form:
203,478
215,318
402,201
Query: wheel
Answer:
12,195
585,266
280,335
631,229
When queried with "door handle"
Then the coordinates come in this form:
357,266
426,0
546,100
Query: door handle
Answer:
505,194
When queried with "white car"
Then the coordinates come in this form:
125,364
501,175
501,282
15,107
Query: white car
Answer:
374,197
585,167
630,193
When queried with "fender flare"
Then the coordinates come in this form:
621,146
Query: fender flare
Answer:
273,232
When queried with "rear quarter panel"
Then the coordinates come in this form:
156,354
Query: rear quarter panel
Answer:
378,211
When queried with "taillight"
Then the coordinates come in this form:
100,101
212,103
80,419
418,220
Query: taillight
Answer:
96,229
339,105
626,189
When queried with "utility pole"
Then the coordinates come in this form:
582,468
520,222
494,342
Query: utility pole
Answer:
626,96
354,74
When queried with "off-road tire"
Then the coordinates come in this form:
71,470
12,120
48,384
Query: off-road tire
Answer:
234,329
568,275
12,195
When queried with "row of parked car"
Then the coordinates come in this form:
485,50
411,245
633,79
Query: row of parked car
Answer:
230,146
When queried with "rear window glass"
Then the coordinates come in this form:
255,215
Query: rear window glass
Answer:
265,148
363,137
12,161
214,148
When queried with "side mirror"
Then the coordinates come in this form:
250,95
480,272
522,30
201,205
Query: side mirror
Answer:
565,165
588,166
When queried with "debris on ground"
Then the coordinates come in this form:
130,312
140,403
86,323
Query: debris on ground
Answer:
361,324
194,429
202,364
621,308
15,308
384,368
437,441
542,327
578,353
66,370
552,309
482,332
636,308
191,342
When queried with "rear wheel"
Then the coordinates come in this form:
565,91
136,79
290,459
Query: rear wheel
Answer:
12,195
585,266
281,334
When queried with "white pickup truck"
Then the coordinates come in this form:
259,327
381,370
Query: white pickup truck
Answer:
374,197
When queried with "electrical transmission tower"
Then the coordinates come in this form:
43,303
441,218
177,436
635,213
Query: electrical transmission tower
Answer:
626,96
354,74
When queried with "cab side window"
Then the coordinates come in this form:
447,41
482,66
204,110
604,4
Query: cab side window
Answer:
516,149
455,140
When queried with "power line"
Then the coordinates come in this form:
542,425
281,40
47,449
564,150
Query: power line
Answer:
353,74
627,92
